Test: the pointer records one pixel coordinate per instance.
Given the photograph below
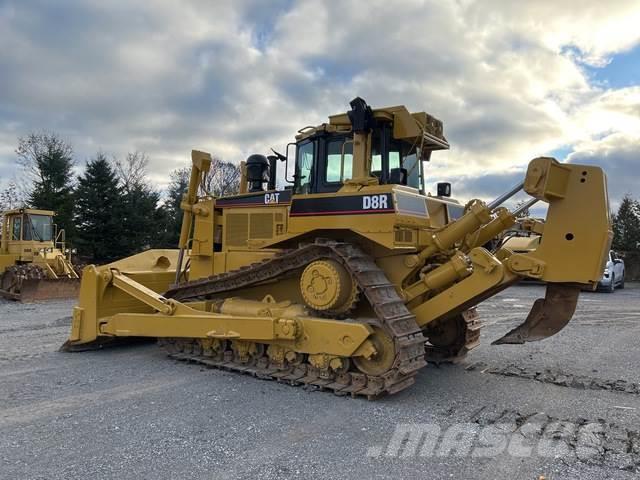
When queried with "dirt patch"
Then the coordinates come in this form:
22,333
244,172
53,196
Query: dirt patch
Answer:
557,377
594,441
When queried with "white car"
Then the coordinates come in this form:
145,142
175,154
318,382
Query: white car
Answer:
613,276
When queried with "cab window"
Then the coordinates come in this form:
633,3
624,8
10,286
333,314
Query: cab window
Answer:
37,227
394,161
412,165
17,228
377,167
339,161
304,167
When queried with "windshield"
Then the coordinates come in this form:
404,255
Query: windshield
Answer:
339,160
38,227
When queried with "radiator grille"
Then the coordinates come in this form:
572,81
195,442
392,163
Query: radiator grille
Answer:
237,226
404,236
261,225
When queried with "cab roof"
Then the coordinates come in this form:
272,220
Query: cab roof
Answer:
411,127
32,211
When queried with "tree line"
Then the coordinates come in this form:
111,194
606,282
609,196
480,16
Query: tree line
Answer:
626,226
111,209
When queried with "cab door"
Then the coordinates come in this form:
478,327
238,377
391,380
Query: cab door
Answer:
15,234
305,178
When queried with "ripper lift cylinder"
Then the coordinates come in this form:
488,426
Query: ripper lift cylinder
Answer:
477,215
457,268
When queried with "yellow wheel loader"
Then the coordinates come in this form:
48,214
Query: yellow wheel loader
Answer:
351,277
34,261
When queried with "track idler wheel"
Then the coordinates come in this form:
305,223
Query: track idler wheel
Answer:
384,358
328,288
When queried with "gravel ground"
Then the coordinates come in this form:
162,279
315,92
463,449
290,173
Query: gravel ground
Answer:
573,401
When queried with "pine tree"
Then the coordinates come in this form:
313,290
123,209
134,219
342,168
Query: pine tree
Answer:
48,160
177,188
142,221
626,226
99,208
140,226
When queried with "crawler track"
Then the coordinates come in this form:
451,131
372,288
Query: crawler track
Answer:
392,316
469,326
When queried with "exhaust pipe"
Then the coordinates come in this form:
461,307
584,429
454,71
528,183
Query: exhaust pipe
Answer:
547,317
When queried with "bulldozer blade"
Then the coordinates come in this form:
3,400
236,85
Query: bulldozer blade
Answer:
104,342
547,317
9,295
33,289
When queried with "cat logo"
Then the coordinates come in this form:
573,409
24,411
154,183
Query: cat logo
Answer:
270,198
374,202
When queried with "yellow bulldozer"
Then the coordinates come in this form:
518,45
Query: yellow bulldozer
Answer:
351,277
35,263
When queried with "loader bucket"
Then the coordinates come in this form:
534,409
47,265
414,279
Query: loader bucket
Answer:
547,317
33,289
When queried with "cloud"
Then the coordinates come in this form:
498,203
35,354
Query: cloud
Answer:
508,79
618,155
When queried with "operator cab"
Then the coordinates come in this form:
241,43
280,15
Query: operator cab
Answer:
397,145
29,225
360,147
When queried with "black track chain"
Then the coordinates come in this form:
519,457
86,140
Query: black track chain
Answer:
392,316
468,340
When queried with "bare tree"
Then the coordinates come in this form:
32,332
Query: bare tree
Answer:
9,197
524,213
223,178
131,171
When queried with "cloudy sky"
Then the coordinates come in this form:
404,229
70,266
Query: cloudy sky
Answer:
510,80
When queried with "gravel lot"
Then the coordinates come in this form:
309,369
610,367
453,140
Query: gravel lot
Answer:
132,413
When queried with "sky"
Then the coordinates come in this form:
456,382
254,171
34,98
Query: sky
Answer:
510,80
